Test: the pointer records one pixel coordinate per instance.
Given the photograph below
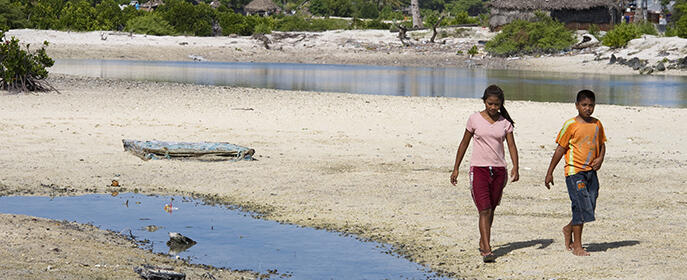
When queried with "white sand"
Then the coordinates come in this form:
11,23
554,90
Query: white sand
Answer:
377,166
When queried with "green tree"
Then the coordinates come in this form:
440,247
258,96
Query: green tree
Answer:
109,15
12,15
180,14
78,15
367,10
233,23
43,14
472,7
320,7
342,8
151,23
680,21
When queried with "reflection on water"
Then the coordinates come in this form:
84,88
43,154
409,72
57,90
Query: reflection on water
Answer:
225,237
391,80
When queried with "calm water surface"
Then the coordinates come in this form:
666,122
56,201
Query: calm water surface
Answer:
390,80
226,237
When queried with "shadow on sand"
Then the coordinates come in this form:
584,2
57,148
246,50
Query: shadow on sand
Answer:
509,247
603,247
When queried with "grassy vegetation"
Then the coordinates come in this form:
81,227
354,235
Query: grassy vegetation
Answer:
543,35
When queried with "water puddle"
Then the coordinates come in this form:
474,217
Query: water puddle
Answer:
225,237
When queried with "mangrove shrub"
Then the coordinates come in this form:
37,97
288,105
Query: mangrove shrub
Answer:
624,32
21,69
544,35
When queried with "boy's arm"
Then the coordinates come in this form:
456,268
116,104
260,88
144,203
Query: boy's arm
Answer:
513,150
596,163
557,155
459,155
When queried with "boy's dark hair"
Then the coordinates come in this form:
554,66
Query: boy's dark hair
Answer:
495,90
585,93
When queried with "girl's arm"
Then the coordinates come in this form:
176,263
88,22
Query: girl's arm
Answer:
513,150
596,163
557,155
459,155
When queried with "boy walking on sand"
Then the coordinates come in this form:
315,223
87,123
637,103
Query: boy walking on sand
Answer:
581,140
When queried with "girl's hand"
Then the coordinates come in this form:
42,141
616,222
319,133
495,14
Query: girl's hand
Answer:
454,177
514,175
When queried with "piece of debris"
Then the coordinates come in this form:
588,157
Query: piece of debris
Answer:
196,57
660,66
206,151
151,272
176,237
265,41
151,228
114,183
178,243
587,41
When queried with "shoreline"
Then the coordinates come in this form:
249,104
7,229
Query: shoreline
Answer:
366,47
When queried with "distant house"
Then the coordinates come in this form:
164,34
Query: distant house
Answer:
578,14
261,7
151,5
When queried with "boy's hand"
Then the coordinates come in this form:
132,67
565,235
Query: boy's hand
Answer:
596,163
454,177
514,175
547,180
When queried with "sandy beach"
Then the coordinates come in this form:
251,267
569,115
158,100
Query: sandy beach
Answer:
374,166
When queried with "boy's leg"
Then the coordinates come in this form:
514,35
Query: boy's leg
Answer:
577,241
568,236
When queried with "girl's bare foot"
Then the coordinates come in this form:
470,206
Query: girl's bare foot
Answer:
567,235
579,251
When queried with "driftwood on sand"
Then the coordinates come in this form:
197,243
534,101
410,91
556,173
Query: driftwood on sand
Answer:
208,151
151,272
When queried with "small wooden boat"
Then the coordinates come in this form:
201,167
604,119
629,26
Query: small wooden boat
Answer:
210,151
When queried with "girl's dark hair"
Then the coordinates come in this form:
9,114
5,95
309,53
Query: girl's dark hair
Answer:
494,90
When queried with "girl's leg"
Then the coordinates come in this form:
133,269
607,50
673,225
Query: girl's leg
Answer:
486,218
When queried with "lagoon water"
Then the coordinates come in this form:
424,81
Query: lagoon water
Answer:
226,237
654,90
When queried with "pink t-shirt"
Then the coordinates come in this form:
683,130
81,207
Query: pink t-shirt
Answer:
488,139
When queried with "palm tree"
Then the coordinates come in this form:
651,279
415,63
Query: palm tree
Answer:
415,11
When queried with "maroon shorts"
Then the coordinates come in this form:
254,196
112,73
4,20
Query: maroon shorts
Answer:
486,186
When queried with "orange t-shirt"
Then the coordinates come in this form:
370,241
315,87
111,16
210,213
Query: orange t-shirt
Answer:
583,141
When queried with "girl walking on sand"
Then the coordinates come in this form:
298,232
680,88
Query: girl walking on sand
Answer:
488,129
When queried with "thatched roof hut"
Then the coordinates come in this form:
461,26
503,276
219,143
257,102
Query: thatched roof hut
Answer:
261,7
151,5
575,14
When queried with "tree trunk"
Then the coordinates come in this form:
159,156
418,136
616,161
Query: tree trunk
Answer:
415,11
434,28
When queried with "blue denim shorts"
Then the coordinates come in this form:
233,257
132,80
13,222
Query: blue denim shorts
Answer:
583,189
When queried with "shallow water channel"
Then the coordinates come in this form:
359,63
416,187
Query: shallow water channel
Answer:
225,237
667,91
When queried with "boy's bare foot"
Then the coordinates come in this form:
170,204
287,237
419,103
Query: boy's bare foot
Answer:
567,235
579,251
